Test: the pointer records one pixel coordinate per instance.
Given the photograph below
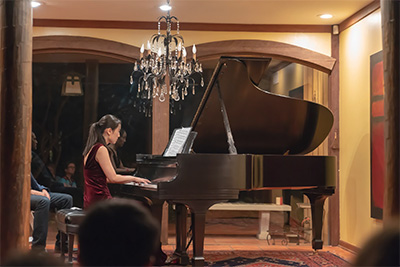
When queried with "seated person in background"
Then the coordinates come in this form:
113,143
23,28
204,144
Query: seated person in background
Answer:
39,170
118,232
68,180
47,179
114,156
42,200
52,169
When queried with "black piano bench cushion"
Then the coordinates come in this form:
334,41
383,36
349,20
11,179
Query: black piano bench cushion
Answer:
70,216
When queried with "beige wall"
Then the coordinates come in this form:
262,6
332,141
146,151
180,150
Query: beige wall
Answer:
289,78
357,44
319,42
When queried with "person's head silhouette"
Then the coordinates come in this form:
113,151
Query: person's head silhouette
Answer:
118,232
382,249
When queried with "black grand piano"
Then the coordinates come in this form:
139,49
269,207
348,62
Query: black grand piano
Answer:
247,139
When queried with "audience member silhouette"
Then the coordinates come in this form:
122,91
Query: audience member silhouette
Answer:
52,169
46,178
39,170
382,249
118,232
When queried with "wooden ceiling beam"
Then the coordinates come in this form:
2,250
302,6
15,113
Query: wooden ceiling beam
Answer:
146,25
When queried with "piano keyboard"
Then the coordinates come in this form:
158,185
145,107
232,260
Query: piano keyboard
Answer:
148,186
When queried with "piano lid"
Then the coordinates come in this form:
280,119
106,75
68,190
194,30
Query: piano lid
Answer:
261,122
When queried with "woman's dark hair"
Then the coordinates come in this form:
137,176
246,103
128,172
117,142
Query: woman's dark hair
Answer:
66,164
96,131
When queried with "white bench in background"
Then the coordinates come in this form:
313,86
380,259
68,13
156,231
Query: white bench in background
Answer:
264,213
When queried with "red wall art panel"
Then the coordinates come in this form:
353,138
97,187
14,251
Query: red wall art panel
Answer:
377,136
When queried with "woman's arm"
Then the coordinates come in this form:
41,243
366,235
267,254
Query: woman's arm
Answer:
103,158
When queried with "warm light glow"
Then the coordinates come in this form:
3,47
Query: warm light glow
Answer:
325,16
165,7
35,4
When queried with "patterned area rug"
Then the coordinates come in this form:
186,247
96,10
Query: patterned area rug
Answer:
273,258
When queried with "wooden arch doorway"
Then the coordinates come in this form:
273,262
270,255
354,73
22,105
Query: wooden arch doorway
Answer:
61,121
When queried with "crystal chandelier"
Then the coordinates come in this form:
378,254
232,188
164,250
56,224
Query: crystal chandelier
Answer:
163,69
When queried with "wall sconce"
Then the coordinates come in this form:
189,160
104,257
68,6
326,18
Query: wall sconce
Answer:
72,85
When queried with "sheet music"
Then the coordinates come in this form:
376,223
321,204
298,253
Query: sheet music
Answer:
177,142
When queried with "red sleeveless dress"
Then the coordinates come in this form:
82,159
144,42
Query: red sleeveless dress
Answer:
96,188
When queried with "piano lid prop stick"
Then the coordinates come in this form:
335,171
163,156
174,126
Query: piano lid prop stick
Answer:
231,142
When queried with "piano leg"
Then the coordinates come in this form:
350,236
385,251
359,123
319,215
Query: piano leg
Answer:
317,210
198,224
198,209
180,252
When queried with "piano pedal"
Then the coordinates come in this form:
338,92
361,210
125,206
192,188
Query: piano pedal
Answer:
172,260
176,259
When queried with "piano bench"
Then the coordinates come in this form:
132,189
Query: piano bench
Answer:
68,221
263,209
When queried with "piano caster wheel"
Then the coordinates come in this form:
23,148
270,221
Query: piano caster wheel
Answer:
317,244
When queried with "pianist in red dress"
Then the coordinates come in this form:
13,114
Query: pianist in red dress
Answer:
98,169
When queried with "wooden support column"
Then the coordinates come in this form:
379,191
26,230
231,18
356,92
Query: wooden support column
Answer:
159,140
160,126
15,124
91,96
391,64
333,142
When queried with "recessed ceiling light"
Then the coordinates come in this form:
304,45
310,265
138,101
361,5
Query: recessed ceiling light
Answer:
325,16
166,7
35,3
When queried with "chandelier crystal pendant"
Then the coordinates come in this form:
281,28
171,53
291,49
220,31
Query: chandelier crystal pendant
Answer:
164,62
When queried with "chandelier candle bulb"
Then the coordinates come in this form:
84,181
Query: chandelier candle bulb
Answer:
141,51
194,52
184,54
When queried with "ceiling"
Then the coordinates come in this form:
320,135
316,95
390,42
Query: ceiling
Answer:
303,12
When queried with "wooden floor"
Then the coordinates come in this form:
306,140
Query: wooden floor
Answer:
235,234
249,243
